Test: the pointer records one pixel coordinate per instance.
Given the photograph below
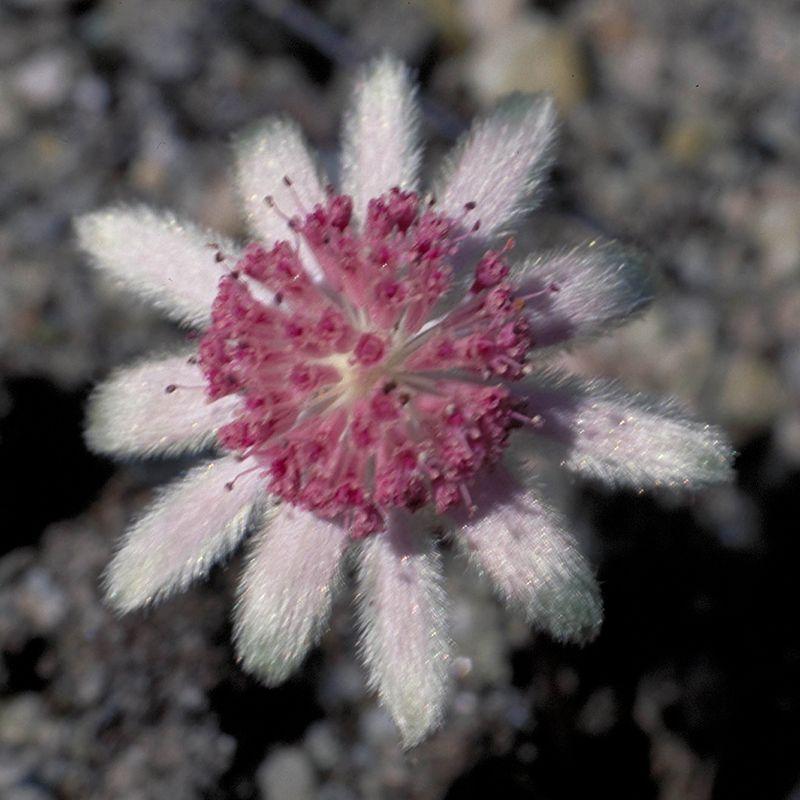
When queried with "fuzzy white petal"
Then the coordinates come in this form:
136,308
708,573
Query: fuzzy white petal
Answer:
264,158
381,137
195,522
524,549
582,291
286,591
499,163
131,413
403,619
154,254
626,439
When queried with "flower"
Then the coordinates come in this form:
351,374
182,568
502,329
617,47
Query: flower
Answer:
371,367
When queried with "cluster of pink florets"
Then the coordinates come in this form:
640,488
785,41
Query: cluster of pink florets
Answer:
352,400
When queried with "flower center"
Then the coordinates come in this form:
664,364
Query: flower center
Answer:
358,393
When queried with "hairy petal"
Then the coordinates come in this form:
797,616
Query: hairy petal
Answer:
522,546
162,259
499,163
272,152
286,591
381,148
625,439
135,413
583,291
195,522
402,615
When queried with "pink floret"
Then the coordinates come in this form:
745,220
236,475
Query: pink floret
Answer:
348,403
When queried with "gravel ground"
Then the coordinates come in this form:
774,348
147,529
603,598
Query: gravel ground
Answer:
681,134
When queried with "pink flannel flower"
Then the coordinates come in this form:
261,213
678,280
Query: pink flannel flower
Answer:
365,367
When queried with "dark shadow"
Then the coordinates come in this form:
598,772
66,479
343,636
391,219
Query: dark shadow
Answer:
46,472
256,717
720,624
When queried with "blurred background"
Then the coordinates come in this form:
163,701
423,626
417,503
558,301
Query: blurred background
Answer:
681,134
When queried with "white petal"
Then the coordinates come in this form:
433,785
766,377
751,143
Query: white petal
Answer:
625,439
132,413
499,163
524,549
264,159
194,523
381,137
286,592
582,291
160,258
402,614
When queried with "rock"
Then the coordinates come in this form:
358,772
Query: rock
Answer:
600,713
689,139
335,791
751,394
44,80
287,774
778,230
529,54
324,746
11,116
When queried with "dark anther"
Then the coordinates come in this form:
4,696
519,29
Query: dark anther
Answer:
191,360
403,398
278,298
218,256
287,180
229,486
470,206
389,386
554,287
269,200
170,388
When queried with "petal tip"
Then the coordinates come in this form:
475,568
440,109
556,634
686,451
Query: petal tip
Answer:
581,617
253,657
415,729
123,590
286,593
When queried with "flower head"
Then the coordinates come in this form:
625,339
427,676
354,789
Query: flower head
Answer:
371,360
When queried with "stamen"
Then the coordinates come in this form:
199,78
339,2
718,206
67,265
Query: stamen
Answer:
170,388
469,229
467,498
272,203
536,421
230,484
551,288
219,256
289,184
458,240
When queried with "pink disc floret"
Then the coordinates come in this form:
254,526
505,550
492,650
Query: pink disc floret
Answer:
357,393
